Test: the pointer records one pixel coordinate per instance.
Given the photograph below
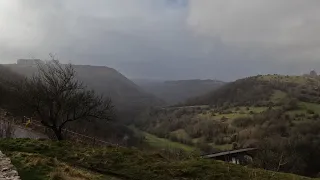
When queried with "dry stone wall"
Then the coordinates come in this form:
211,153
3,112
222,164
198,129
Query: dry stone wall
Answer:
7,170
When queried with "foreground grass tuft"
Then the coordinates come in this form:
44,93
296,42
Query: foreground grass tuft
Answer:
37,167
44,160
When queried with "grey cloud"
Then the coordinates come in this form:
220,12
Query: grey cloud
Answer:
166,39
283,27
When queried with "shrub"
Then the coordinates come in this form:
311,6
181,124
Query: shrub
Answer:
315,116
57,175
205,148
242,122
309,111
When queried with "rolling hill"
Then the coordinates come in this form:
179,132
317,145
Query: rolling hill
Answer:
127,97
105,80
283,111
174,92
260,90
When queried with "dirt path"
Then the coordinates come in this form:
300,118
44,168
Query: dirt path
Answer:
7,170
20,132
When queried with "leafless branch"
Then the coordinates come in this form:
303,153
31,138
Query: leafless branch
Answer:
57,97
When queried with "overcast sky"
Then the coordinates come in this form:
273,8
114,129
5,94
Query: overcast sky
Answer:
167,39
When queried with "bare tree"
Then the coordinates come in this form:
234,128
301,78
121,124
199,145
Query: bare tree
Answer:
278,154
7,129
57,97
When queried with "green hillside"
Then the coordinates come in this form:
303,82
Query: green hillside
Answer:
41,160
272,112
262,91
162,143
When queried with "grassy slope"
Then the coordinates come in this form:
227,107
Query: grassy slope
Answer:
276,97
311,106
160,143
34,166
121,162
304,107
181,134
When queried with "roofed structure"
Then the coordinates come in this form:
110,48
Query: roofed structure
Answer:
239,156
29,61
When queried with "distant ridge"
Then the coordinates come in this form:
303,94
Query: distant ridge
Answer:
257,90
178,91
105,80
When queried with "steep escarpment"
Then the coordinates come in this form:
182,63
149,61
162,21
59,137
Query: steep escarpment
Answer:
106,81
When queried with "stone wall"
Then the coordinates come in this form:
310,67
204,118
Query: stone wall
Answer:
7,170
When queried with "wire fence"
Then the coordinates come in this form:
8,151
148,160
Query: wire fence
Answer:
70,135
30,124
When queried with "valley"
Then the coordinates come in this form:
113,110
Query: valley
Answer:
282,111
159,90
279,115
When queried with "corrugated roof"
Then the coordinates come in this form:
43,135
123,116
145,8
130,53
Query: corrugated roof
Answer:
228,152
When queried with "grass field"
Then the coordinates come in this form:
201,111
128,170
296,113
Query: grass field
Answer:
198,140
294,112
304,107
311,106
160,143
247,111
113,163
32,166
278,96
181,134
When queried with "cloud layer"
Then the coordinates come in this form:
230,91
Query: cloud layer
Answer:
167,39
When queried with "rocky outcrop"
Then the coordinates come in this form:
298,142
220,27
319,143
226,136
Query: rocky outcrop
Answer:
7,170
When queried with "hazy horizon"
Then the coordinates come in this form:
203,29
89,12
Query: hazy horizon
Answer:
167,39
